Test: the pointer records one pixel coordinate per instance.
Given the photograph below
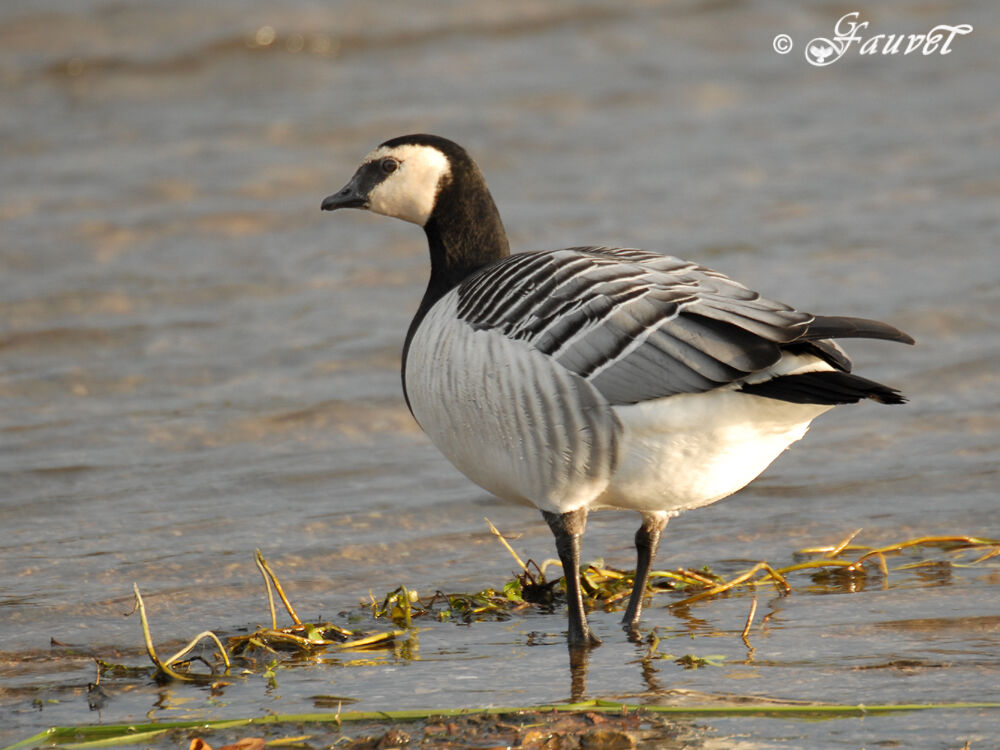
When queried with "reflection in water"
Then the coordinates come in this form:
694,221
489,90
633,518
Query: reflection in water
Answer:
579,658
695,625
579,665
938,573
649,671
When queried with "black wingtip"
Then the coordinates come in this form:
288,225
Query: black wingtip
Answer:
844,327
825,387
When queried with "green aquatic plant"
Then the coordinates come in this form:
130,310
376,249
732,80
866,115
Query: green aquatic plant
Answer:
299,637
845,565
524,717
302,637
165,667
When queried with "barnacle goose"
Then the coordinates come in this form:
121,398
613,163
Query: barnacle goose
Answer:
596,377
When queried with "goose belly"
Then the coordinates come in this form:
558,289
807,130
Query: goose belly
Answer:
690,450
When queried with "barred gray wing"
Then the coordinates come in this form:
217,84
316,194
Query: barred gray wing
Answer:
635,324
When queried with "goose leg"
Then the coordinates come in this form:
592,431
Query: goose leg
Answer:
568,529
647,539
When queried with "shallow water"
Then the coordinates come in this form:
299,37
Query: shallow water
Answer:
197,362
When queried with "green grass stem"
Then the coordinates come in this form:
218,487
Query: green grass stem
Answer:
109,735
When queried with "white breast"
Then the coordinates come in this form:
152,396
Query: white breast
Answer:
506,416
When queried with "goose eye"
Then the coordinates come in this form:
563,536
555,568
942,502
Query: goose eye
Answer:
389,165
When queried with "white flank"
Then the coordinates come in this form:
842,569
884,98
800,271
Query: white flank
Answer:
409,192
692,449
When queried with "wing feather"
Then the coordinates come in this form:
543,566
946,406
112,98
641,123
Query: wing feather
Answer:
637,325
640,326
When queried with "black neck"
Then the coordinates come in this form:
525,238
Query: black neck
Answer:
464,235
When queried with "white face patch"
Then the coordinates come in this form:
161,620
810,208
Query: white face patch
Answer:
409,192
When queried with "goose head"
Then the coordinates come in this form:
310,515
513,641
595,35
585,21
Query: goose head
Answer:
432,182
401,178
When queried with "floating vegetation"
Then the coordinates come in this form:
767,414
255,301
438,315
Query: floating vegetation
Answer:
688,661
842,566
300,637
165,667
845,565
